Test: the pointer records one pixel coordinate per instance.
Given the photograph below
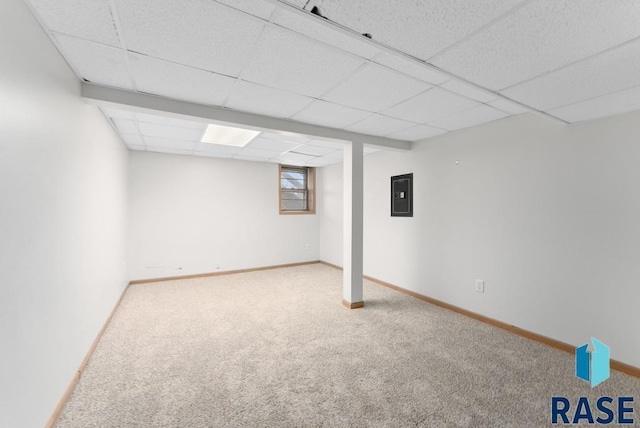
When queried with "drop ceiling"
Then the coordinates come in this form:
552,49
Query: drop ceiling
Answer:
430,67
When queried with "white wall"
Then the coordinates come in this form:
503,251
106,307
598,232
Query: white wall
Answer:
191,215
62,221
548,216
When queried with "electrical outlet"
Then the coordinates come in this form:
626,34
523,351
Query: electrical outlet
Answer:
308,246
480,285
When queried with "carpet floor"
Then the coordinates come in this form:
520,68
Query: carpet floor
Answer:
276,348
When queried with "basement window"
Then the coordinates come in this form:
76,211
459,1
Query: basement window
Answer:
297,190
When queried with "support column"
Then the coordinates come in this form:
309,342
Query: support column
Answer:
352,226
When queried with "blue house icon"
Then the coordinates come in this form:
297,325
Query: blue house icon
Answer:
593,365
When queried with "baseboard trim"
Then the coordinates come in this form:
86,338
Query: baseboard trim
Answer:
354,305
226,272
76,377
615,365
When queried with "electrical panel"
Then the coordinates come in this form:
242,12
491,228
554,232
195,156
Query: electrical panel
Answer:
402,195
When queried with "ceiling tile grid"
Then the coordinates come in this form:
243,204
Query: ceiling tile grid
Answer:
258,99
198,33
540,37
331,115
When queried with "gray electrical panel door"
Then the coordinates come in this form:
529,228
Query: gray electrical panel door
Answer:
402,195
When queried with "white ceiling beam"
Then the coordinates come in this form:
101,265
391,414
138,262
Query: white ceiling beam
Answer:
351,33
144,103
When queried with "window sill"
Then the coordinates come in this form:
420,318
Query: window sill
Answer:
297,212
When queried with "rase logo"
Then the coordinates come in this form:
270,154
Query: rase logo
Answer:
592,366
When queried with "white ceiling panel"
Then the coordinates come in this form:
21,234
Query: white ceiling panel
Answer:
311,27
260,8
418,132
125,126
271,145
170,132
420,28
297,64
217,149
169,121
336,154
411,68
249,158
323,161
608,72
116,113
137,147
310,150
540,37
378,124
374,88
290,137
177,81
264,154
294,157
606,105
155,142
434,104
468,91
199,33
96,63
507,106
169,150
253,98
213,155
328,114
325,143
471,117
132,139
87,19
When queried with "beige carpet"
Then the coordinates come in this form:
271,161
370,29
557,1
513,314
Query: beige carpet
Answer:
277,349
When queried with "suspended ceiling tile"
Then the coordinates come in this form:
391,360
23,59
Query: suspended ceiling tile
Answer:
374,88
540,37
296,64
468,91
420,28
199,33
434,104
155,142
411,68
471,117
602,74
169,150
132,139
325,143
89,20
217,149
260,8
310,150
331,115
508,106
264,154
294,157
271,145
170,132
137,147
253,98
606,105
117,113
336,154
290,137
94,62
213,155
169,121
418,132
125,126
378,124
311,27
177,81
249,158
323,161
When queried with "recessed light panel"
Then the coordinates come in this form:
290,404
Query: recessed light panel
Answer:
228,136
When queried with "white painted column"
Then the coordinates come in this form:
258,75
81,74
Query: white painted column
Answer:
352,232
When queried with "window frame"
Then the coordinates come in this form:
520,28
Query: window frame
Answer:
310,190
